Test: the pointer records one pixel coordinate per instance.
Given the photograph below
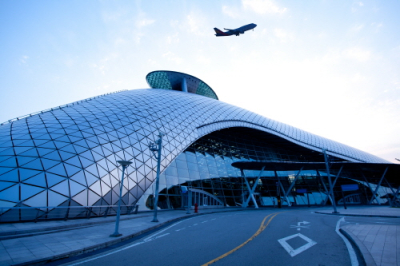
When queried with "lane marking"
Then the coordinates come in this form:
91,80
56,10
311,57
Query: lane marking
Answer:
162,235
293,252
352,253
260,229
130,246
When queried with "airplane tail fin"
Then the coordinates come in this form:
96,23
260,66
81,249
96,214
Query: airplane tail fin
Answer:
220,32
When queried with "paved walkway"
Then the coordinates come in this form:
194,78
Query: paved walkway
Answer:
30,243
379,244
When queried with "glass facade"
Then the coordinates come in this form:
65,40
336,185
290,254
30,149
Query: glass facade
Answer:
62,162
207,167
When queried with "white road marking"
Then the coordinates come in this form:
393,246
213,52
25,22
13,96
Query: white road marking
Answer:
298,226
162,235
293,252
204,222
130,246
99,257
353,256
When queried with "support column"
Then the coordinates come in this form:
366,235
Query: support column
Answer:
373,195
251,191
379,184
334,183
331,194
281,186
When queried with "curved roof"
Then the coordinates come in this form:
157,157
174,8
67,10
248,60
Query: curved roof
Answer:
69,154
171,80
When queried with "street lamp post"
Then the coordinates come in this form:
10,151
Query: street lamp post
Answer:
156,147
124,165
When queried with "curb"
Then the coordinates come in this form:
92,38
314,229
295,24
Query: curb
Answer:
363,255
360,215
112,242
49,230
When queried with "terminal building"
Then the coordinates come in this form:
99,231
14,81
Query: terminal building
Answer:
62,163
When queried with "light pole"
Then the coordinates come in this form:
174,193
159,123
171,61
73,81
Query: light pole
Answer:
124,165
156,147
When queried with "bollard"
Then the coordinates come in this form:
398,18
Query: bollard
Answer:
196,208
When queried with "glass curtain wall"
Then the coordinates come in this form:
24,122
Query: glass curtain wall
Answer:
207,166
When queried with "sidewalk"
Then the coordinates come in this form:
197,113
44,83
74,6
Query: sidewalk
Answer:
30,243
379,244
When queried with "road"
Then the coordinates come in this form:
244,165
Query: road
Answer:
252,237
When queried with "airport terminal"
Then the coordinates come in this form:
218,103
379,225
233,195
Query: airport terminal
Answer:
62,163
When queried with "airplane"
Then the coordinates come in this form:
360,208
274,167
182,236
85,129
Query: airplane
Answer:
236,32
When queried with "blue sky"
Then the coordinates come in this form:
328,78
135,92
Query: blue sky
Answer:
329,67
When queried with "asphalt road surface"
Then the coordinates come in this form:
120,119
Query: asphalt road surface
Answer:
253,237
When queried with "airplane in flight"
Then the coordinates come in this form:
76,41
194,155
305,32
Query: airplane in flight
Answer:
241,30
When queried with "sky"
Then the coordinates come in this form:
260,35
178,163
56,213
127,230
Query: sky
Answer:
331,68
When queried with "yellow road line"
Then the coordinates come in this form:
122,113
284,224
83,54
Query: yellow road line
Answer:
262,227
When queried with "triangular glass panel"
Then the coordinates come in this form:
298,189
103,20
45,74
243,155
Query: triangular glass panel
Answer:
107,197
36,164
71,170
40,200
47,164
28,191
87,154
92,198
10,194
92,169
80,149
10,175
90,178
4,185
27,173
85,162
56,199
32,152
38,180
23,142
44,152
96,187
24,160
97,156
9,162
80,178
53,179
62,188
102,171
58,169
66,155
48,145
75,188
105,188
63,138
69,148
74,161
19,150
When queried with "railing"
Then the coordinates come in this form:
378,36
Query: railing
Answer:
34,214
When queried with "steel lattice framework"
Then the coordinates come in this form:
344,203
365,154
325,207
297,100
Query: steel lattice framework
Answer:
67,156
